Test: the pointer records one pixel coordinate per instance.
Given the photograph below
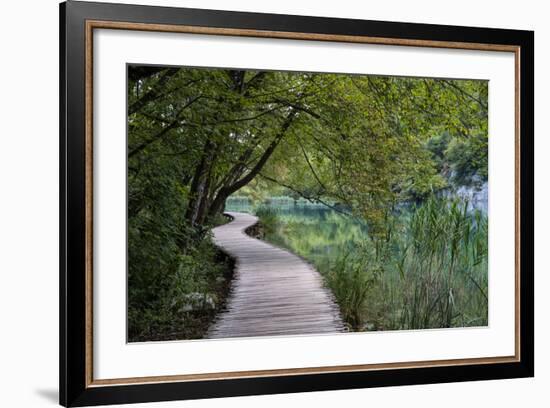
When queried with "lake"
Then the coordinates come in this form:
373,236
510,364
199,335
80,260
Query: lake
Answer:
314,231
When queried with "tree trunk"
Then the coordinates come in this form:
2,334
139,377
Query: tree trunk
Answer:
204,198
219,202
199,188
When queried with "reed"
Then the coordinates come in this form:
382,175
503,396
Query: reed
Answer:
442,263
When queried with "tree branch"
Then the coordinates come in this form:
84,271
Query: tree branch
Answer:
265,156
175,123
311,166
153,92
311,199
463,92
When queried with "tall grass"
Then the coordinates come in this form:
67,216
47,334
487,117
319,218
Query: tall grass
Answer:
442,263
351,279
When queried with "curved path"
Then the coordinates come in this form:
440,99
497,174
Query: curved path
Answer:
273,292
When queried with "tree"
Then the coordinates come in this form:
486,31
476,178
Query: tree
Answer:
357,140
359,144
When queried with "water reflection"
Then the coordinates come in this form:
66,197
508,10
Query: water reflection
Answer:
314,231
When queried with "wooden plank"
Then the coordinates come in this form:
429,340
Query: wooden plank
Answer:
274,292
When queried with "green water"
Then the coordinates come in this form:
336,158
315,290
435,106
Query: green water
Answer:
314,231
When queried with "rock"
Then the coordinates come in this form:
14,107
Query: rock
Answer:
197,301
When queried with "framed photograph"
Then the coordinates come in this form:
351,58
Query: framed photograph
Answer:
256,203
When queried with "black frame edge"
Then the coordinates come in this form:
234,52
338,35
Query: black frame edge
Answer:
301,383
72,387
527,195
72,206
62,208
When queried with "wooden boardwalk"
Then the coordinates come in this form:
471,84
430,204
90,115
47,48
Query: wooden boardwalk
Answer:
274,292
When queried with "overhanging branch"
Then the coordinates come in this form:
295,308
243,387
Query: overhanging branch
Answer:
305,196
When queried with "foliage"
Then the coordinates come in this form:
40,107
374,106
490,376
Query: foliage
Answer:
469,159
361,145
169,260
356,140
462,161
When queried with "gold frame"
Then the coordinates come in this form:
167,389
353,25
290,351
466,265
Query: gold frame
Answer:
99,24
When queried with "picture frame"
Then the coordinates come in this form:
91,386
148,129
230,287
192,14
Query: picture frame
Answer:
78,23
